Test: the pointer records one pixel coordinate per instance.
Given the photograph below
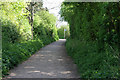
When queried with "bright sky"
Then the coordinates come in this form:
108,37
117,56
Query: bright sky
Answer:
54,8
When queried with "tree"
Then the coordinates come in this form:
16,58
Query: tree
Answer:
33,7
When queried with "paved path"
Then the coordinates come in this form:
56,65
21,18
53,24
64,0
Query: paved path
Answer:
50,61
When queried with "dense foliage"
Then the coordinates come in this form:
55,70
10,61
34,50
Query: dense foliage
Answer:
17,44
14,54
14,19
95,37
44,26
61,31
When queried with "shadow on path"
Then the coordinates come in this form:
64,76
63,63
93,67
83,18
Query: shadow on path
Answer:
50,61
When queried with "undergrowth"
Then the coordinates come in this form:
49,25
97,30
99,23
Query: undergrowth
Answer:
14,54
17,42
90,62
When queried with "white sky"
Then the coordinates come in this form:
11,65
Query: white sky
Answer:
54,8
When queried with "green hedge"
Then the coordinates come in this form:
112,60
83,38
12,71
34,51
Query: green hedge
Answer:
92,64
9,31
94,41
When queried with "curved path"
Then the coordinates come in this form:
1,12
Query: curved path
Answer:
50,61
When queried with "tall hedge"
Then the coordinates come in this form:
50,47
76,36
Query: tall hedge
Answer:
95,37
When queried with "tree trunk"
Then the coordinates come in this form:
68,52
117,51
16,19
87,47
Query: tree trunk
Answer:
32,17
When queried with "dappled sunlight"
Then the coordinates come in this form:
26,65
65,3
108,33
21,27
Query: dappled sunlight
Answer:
29,67
49,74
12,74
49,60
60,59
65,72
44,73
33,72
45,51
40,56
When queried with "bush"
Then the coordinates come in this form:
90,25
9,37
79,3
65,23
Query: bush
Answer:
17,45
9,31
44,26
61,32
14,22
94,40
91,63
13,54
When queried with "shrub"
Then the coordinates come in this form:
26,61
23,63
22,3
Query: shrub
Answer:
44,26
17,45
13,54
61,32
92,64
94,41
